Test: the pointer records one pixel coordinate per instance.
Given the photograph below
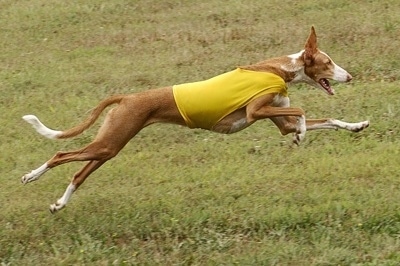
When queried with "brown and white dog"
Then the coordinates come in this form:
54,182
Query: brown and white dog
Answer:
136,111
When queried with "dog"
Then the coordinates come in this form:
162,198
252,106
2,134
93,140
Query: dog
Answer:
227,103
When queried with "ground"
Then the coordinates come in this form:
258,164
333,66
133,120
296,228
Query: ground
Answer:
191,197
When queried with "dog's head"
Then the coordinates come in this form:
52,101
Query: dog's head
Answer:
319,67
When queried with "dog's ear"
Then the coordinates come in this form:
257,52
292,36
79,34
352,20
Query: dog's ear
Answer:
310,48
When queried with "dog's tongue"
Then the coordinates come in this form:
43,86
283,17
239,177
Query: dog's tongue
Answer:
325,84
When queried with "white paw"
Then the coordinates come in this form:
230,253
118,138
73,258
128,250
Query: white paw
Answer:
56,207
357,127
300,130
34,174
29,178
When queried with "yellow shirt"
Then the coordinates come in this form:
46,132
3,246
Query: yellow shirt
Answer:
203,104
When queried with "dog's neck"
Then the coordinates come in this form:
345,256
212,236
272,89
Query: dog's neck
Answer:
290,67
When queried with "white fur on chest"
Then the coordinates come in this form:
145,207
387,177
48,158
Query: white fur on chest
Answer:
280,101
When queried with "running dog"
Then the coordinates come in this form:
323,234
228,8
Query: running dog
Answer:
227,103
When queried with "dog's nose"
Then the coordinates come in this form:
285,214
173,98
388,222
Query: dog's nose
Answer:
349,77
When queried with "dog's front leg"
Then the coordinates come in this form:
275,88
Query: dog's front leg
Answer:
301,129
288,119
330,123
292,124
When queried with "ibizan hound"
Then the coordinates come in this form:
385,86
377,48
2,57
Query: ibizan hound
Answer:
226,104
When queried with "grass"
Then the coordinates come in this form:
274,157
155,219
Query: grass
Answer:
175,196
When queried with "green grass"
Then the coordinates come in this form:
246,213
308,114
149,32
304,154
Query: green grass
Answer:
175,196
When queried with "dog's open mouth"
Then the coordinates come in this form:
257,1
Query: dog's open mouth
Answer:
327,86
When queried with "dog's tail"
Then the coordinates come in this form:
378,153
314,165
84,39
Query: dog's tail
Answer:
72,132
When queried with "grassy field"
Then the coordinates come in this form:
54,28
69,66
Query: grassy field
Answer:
175,196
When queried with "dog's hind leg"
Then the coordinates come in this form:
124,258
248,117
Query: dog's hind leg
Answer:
116,131
111,138
94,151
78,179
35,174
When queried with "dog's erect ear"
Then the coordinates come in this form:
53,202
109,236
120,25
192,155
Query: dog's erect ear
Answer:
310,48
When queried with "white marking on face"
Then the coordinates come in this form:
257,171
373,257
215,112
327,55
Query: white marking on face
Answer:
339,74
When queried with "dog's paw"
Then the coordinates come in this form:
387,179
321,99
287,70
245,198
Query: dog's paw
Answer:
27,178
56,207
357,127
296,139
300,130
